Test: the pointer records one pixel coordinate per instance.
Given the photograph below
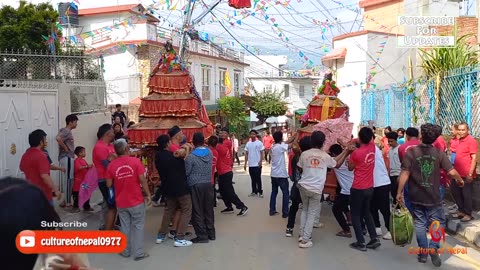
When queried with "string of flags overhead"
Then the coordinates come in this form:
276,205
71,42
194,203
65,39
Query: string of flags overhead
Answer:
259,10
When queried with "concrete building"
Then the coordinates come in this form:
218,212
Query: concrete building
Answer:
131,44
267,73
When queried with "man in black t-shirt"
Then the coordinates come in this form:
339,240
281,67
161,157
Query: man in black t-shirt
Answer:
421,168
119,113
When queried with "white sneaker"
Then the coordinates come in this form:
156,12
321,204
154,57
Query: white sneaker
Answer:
319,225
378,231
387,236
303,244
182,243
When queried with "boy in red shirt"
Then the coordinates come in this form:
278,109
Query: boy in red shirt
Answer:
80,169
126,175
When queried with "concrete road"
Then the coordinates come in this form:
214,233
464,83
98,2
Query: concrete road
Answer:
257,241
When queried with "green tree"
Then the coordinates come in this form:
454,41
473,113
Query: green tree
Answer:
267,104
24,28
234,110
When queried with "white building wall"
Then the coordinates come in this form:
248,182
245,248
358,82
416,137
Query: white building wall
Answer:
123,33
353,68
122,77
294,100
197,63
260,68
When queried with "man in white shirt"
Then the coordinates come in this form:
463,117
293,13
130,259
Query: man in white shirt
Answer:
253,156
235,148
381,194
395,164
342,201
313,163
279,174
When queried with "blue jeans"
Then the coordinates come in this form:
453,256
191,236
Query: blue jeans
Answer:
423,218
407,199
283,184
442,193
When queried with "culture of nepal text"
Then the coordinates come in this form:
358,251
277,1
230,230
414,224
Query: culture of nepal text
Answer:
98,241
448,250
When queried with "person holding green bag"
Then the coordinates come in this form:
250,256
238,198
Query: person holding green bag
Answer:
421,168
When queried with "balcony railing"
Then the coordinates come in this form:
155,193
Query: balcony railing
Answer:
200,46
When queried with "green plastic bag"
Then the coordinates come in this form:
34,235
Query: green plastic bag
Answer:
401,225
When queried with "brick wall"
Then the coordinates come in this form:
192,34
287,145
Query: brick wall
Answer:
464,25
148,56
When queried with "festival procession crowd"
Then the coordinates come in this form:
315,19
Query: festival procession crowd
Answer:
409,167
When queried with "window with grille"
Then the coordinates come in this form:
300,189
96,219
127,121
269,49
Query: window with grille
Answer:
221,82
301,91
236,82
206,83
286,90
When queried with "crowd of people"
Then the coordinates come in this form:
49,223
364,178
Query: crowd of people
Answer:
409,167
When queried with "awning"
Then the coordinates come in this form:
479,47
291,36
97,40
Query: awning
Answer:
135,101
211,107
300,111
276,120
337,53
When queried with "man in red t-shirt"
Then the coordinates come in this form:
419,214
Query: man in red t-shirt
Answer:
362,163
34,164
411,135
267,144
465,164
412,141
102,154
127,175
225,176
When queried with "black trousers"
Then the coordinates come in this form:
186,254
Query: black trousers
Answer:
463,196
339,206
296,201
268,155
86,205
228,191
394,188
360,209
235,157
203,218
256,178
381,202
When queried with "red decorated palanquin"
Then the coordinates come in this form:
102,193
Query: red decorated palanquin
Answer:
172,100
322,108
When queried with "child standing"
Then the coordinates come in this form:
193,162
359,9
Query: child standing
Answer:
81,167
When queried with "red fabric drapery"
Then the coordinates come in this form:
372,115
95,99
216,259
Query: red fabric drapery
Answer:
168,107
148,137
238,4
170,84
315,113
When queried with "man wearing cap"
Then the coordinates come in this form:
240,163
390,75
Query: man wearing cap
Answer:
176,137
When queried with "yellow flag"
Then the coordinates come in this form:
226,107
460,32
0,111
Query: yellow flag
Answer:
228,84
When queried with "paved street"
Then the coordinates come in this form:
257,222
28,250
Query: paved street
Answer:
257,241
